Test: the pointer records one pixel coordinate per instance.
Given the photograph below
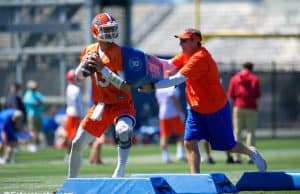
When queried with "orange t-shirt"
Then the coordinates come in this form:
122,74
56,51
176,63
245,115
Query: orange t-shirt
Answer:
102,90
204,91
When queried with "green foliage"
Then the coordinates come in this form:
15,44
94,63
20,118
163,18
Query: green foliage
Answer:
45,170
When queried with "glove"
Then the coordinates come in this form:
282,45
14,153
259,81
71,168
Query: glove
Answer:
91,63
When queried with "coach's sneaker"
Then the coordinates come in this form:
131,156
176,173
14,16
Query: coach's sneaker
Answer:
258,160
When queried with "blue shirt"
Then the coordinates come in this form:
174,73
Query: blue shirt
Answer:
6,123
33,102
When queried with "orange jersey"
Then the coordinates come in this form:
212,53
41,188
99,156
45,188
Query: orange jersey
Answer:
72,124
102,90
204,91
116,102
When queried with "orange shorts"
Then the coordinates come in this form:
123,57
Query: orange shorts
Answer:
171,126
72,124
108,117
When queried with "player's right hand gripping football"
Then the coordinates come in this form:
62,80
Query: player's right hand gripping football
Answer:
91,63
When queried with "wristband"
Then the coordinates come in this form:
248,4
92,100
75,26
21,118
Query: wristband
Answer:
78,72
112,77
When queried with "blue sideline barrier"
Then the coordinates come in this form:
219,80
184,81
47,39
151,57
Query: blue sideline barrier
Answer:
268,181
155,185
195,183
183,183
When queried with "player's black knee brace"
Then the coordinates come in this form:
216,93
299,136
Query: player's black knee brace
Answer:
123,132
123,144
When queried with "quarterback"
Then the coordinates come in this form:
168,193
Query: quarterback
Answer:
112,103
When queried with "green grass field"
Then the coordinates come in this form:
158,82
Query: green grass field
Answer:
45,170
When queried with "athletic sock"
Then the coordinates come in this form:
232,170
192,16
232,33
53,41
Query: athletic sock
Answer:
166,156
122,160
180,152
75,159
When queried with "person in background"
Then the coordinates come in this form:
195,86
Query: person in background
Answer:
75,110
49,125
11,122
96,150
33,100
14,99
171,122
208,158
244,90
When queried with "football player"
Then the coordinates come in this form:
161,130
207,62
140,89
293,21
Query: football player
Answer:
11,122
75,110
112,104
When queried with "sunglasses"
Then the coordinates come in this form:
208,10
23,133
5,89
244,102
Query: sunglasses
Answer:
183,40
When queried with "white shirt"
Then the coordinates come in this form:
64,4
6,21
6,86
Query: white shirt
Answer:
167,108
75,105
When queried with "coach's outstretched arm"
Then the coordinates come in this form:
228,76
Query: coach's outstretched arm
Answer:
173,80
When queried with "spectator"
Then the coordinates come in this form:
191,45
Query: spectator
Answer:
33,101
171,122
11,122
244,90
14,99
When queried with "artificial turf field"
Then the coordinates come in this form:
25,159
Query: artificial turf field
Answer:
45,171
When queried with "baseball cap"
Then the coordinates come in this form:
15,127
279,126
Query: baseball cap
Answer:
18,119
70,76
31,84
190,33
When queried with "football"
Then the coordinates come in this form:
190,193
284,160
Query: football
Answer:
89,63
87,68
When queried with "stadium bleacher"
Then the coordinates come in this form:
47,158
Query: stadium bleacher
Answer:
257,17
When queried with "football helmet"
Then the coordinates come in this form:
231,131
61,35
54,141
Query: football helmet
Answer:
70,76
104,27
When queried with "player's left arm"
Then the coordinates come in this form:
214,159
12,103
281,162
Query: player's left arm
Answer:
115,79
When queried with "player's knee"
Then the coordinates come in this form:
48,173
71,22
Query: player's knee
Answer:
123,137
124,129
